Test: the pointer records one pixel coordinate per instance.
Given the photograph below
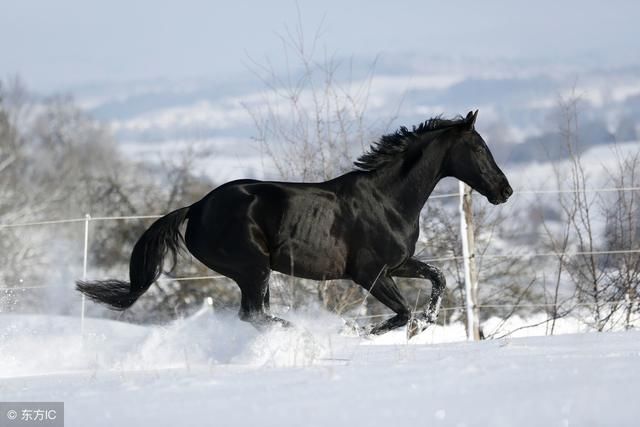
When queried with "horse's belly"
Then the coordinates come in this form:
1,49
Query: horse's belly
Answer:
307,243
318,261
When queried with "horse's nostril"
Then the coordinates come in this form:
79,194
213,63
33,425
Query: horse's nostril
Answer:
507,191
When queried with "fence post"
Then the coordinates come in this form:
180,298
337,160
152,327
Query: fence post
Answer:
468,257
87,218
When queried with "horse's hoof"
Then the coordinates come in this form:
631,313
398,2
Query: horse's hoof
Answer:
352,329
280,322
415,326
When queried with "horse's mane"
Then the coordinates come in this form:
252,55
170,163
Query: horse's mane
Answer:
389,146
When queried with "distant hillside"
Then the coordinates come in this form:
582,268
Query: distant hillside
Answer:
517,102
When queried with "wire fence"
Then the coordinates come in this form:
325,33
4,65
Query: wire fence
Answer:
87,219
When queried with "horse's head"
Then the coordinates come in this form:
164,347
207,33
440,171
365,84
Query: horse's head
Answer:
470,161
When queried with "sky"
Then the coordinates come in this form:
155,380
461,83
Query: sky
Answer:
57,45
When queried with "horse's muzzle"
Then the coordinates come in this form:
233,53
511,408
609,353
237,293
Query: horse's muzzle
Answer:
503,194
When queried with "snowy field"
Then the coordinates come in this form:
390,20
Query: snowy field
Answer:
214,370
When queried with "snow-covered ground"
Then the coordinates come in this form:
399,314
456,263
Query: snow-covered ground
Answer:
214,370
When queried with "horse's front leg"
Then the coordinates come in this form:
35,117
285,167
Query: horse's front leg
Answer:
415,269
384,289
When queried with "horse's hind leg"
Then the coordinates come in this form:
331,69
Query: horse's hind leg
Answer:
234,248
254,305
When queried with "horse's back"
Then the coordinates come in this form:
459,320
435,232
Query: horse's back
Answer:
295,224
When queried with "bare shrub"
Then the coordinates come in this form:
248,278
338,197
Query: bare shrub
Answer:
311,124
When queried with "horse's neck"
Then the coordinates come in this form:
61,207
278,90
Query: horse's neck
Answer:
409,190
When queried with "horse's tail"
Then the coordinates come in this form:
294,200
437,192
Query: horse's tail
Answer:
145,265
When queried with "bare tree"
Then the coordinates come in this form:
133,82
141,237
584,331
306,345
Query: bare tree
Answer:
604,282
311,123
622,233
19,199
58,162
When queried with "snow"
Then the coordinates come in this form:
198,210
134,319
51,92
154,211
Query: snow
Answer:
212,369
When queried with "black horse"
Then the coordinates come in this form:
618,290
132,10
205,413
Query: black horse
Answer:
362,225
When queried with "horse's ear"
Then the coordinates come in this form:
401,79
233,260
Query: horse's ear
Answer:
470,120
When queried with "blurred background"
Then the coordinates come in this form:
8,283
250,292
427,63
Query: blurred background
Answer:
124,109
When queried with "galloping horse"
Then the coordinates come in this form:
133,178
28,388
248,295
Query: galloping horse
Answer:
361,226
